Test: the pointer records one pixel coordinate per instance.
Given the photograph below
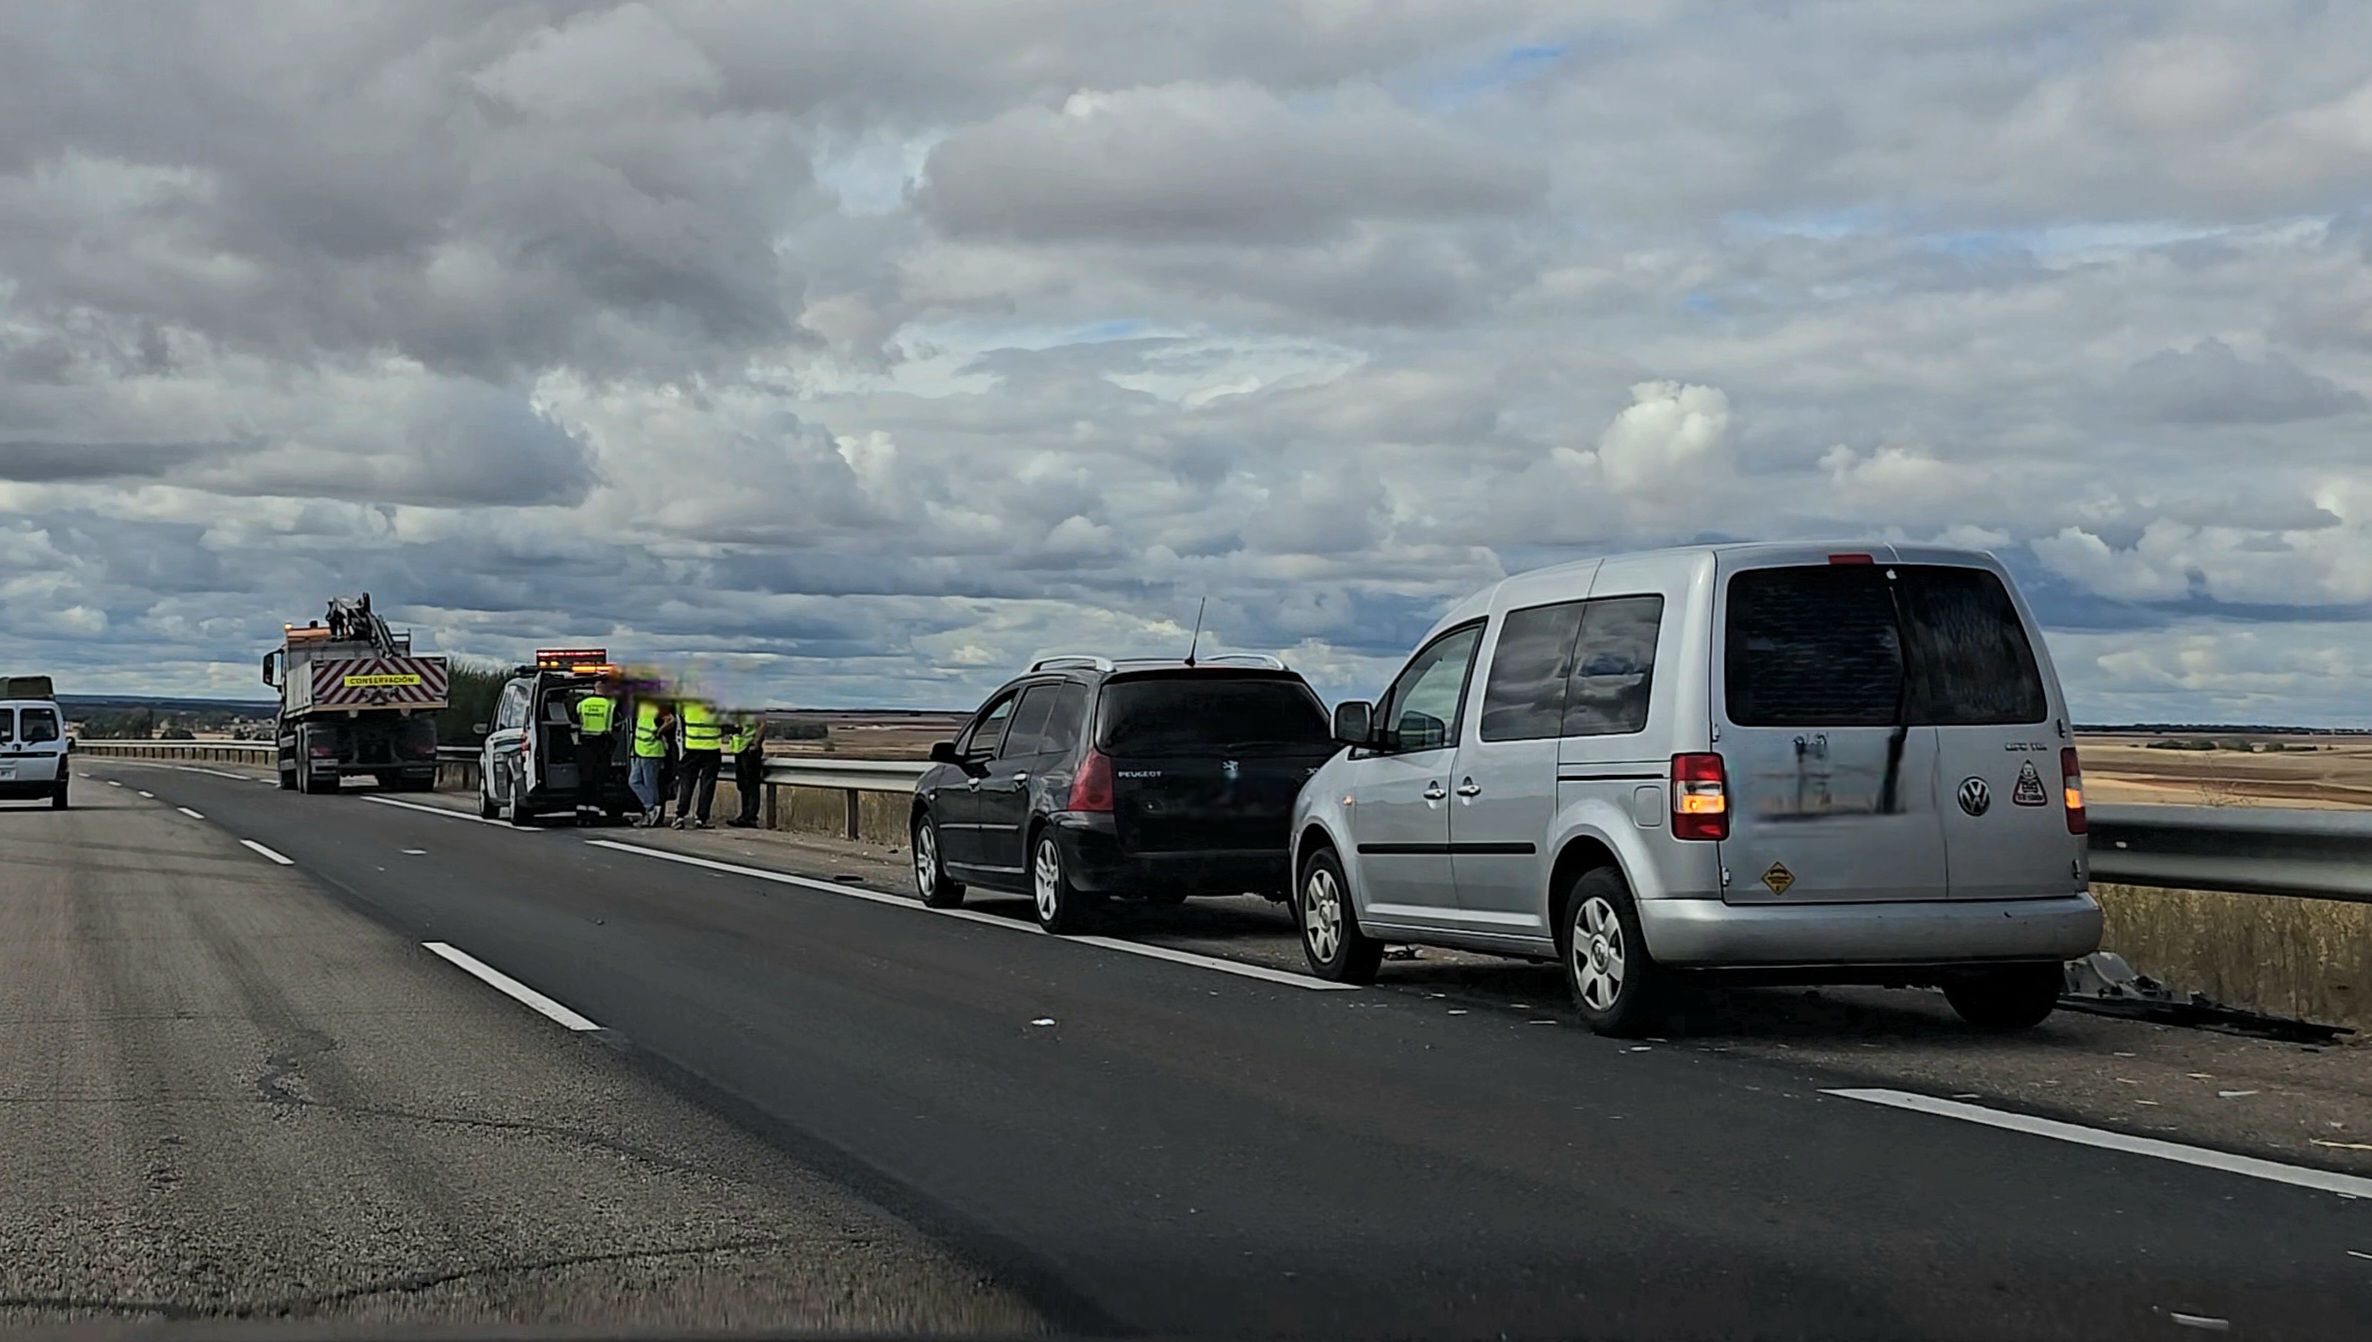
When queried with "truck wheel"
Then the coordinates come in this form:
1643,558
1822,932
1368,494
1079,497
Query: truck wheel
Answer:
326,782
2017,997
288,779
57,799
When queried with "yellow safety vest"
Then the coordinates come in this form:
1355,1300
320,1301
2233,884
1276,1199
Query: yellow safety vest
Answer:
745,735
593,714
648,743
702,731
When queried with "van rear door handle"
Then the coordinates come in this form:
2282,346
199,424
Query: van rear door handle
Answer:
1433,792
1022,777
1469,788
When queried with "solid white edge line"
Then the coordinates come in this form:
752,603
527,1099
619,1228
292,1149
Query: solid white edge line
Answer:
508,986
2299,1176
199,769
445,811
283,861
188,812
1238,968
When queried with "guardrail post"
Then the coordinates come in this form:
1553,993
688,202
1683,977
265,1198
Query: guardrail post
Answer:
773,804
850,814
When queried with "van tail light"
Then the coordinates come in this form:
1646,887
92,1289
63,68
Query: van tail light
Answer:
1700,797
2071,778
1091,787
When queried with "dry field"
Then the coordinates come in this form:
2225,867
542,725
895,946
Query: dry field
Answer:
2310,772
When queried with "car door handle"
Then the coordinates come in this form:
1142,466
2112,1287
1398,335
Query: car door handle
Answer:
1433,792
1022,777
1469,788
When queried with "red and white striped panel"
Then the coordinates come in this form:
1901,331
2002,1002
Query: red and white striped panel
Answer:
379,682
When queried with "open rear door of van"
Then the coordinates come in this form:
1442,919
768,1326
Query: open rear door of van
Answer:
1833,796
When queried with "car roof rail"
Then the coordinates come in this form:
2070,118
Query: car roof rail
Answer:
1259,659
1092,663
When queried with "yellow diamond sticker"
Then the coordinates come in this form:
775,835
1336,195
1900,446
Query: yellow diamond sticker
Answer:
1778,878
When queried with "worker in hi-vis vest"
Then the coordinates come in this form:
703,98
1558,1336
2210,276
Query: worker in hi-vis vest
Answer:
704,743
595,713
747,746
646,771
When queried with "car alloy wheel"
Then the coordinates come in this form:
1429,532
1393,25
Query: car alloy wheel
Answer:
926,860
1321,913
1046,881
1598,955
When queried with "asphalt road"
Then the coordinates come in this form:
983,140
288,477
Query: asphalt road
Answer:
1138,1145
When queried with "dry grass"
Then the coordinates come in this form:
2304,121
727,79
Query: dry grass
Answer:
2292,957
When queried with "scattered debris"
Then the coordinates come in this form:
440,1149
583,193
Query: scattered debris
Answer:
1968,1095
415,852
2213,1325
2234,1094
2127,1081
1400,952
848,878
2341,1146
2201,1076
1043,1020
2151,1103
1544,1022
1639,1048
2123,1054
1457,1011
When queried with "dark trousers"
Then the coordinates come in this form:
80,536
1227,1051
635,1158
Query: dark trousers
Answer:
696,778
749,778
593,769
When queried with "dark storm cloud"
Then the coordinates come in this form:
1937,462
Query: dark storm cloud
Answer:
32,462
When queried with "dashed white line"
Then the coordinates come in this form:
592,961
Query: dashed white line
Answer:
1235,967
266,852
2299,1176
188,812
446,812
150,795
113,782
509,987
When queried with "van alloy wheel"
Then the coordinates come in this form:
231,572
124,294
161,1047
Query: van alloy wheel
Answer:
1598,955
1321,913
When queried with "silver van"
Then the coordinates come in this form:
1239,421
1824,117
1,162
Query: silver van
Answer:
1814,763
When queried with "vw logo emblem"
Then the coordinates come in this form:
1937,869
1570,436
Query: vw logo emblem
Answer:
1975,797
1230,769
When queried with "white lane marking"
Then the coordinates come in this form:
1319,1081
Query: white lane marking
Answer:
218,773
2325,1181
1235,967
446,812
283,861
188,812
114,783
2205,1322
509,987
150,795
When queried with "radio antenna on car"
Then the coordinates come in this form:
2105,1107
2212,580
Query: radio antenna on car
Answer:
1196,641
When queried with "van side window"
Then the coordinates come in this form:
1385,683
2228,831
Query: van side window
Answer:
1422,706
1614,666
1524,698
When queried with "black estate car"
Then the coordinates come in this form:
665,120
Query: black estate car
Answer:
1087,778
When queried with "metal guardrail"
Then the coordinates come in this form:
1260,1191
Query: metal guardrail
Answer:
2238,849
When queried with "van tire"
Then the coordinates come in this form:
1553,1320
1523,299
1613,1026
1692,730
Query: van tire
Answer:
57,799
1335,947
1617,987
486,806
2016,997
932,883
520,817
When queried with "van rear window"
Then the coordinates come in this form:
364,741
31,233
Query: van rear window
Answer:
1208,714
1866,645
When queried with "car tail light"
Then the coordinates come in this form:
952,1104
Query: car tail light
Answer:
2071,778
322,750
1700,797
1091,787
1852,559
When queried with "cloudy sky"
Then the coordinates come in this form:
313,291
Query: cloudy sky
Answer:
857,351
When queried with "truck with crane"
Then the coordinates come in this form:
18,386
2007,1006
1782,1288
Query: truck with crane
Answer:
355,702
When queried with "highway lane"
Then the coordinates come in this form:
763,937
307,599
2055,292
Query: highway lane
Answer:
1183,1150
222,1094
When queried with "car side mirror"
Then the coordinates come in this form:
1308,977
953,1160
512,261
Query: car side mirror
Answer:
943,752
1354,722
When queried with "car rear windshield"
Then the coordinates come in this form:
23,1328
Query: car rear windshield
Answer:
1210,714
1875,645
